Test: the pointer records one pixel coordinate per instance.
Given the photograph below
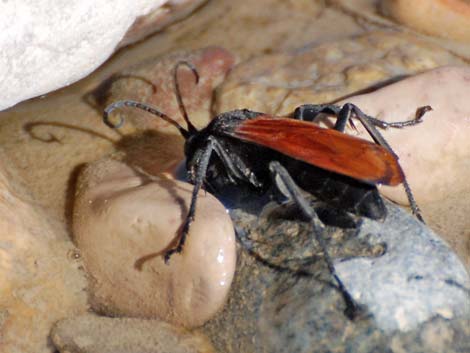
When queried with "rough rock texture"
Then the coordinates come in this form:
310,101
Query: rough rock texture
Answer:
283,300
39,271
249,28
441,18
93,334
124,221
48,45
278,83
417,278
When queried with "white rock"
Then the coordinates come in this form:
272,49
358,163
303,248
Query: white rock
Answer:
50,44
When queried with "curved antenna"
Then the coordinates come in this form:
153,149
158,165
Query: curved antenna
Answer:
145,107
191,128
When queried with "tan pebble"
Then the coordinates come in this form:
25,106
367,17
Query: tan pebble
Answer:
124,222
441,18
93,334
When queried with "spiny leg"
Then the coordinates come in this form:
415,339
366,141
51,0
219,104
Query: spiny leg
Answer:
294,192
308,112
397,124
233,171
345,115
198,181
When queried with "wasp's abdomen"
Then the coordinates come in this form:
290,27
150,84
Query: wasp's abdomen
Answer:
340,191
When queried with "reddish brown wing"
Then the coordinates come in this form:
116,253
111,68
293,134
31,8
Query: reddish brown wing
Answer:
325,148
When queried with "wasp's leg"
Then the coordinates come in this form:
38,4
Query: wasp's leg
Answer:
309,112
233,171
198,181
345,115
235,167
290,188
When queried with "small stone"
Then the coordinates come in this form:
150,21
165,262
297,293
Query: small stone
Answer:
94,334
442,18
125,220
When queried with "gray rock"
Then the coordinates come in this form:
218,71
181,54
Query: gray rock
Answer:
44,52
409,284
417,278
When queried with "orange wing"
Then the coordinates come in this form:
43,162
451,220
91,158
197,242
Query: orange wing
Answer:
325,148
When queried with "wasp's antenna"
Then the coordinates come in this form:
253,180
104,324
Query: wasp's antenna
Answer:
147,108
191,128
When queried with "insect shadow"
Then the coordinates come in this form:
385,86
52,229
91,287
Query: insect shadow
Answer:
243,152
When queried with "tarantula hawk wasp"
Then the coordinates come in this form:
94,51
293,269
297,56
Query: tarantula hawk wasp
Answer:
255,151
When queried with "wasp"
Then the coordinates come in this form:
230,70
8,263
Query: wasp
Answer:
255,152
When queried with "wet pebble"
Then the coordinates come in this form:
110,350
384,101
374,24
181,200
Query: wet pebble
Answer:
124,221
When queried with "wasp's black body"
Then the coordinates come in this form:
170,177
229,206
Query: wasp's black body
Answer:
243,166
